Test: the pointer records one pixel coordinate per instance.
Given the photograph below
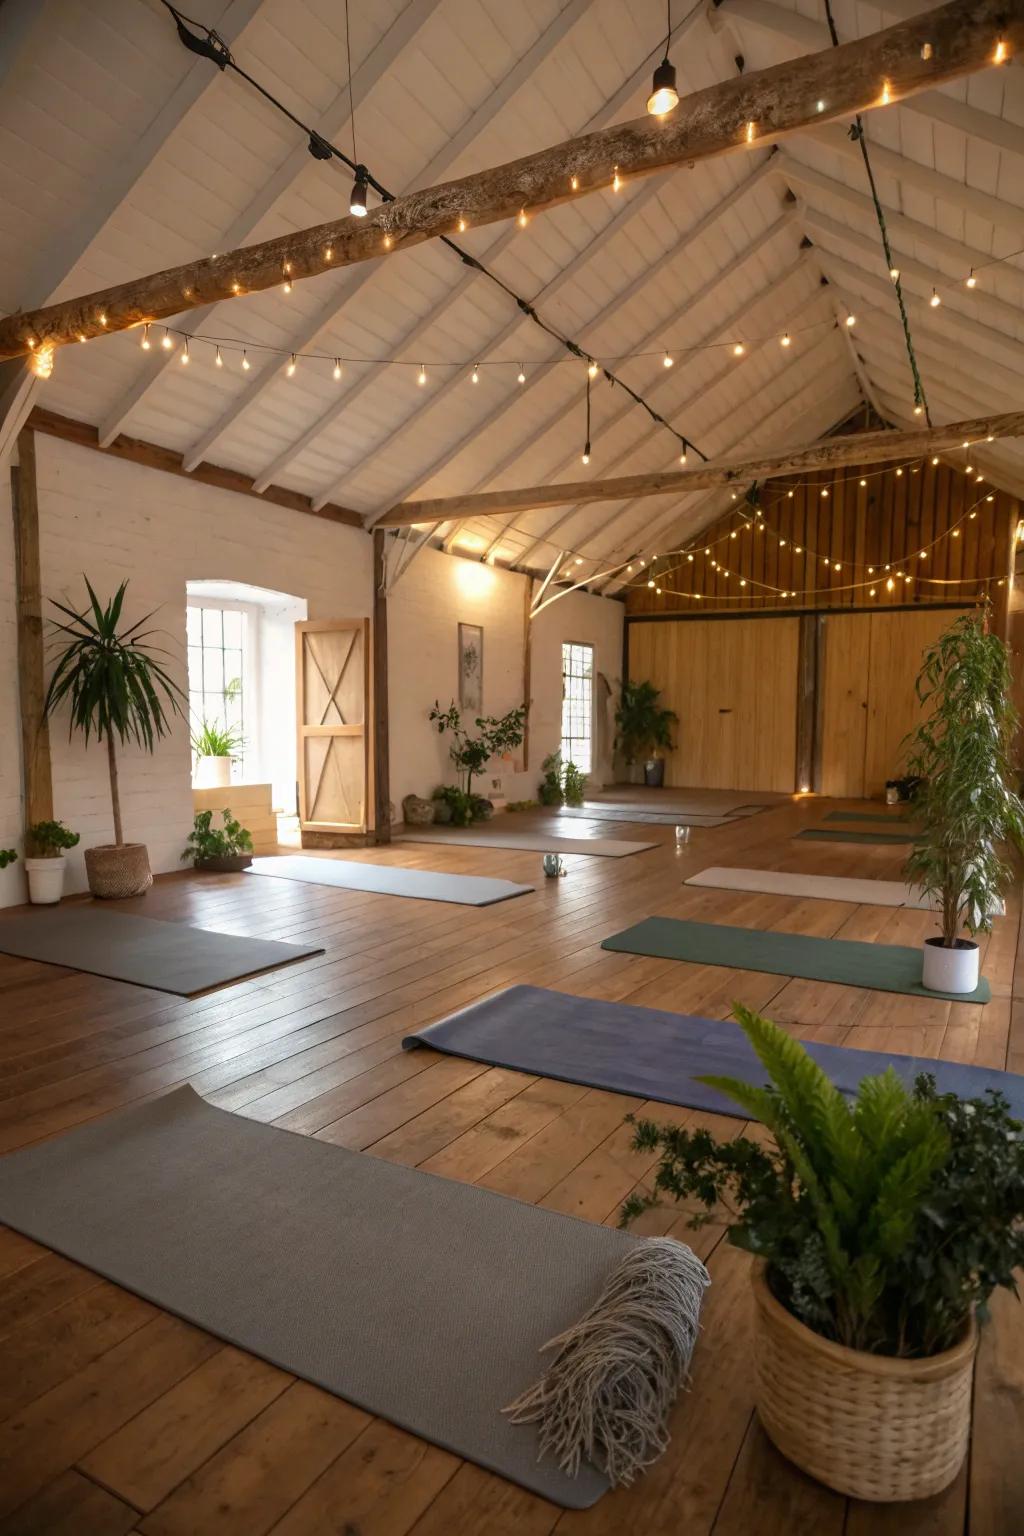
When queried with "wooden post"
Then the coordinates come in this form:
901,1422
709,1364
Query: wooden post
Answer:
1004,562
808,756
35,735
381,747
527,662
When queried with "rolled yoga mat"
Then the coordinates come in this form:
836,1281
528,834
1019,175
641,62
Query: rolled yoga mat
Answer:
531,842
831,835
389,880
653,1054
171,957
418,1298
880,967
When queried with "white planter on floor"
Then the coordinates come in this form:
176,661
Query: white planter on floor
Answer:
950,970
212,773
45,880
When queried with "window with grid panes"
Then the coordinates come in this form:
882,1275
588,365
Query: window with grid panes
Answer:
216,669
578,705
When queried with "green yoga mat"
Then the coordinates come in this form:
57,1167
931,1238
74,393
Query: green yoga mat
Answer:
877,818
835,835
880,967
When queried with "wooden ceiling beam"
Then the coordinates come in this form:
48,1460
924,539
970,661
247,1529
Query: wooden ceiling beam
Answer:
857,448
758,108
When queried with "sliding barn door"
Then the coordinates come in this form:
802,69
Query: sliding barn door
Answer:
332,702
732,682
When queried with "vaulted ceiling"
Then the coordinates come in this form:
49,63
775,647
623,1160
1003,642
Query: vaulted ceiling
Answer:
122,153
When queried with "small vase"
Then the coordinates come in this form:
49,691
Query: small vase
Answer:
950,970
45,880
212,773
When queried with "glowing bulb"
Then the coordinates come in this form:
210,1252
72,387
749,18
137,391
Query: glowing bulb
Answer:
690,559
336,371
935,459
863,482
42,361
245,361
664,95
934,301
742,581
1002,53
789,495
421,377
592,369
733,534
217,359
918,409
292,365
521,376
144,343
462,226
785,342
682,457
890,585
898,473
837,566
971,281
886,97
287,285
388,242
739,349
360,187
521,220
872,592
616,180
750,133
166,342
586,454
475,375
574,183
851,321
819,106
102,319
926,51
666,361
579,559
922,554
183,354
650,584
894,274
956,533
328,252
824,491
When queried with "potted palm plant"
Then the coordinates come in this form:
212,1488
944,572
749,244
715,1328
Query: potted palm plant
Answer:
215,748
45,845
880,1227
118,690
643,729
964,803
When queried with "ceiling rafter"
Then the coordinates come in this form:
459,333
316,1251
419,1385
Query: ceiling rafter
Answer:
1002,479
872,331
373,68
328,315
748,308
602,118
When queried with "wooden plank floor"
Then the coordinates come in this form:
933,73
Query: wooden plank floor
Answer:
116,1418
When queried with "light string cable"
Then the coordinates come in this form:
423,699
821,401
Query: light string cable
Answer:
208,44
857,134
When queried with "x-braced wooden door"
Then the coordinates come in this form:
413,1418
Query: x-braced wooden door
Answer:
332,693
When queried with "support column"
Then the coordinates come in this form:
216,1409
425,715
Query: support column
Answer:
35,735
808,755
381,747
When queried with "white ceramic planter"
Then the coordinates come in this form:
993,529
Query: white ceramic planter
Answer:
212,773
45,880
950,970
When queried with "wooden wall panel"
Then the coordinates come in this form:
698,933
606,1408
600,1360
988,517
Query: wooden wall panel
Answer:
898,641
874,531
734,687
843,685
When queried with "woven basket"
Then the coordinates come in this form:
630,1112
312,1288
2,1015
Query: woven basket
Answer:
116,872
871,1426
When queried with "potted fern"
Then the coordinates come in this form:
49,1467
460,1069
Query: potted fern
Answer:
46,842
215,748
880,1227
119,691
643,729
224,849
965,805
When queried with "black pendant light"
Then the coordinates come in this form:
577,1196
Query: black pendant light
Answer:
664,95
360,187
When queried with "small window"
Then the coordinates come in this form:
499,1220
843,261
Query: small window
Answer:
578,705
216,670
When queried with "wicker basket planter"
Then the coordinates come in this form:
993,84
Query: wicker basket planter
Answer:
870,1426
116,872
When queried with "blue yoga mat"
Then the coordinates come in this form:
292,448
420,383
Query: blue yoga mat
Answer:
652,1054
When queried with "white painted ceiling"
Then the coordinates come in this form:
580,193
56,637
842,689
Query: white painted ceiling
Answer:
122,153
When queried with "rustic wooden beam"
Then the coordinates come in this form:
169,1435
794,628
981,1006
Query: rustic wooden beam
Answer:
754,109
853,448
137,451
381,733
35,735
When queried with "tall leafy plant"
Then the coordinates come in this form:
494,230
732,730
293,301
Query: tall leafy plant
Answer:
961,750
495,734
884,1222
642,725
110,675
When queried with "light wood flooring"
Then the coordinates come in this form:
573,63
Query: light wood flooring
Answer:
117,1418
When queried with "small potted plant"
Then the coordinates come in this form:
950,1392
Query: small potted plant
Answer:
550,790
45,845
644,730
215,748
963,800
498,734
219,849
880,1226
574,785
118,690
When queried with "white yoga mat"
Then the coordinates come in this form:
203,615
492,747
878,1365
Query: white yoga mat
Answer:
782,882
532,842
389,879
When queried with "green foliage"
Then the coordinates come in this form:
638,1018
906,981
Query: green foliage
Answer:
49,839
213,740
884,1221
574,784
521,805
497,734
550,788
459,801
209,842
961,751
7,856
642,725
110,675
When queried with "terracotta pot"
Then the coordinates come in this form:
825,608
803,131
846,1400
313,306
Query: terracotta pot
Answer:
115,873
871,1426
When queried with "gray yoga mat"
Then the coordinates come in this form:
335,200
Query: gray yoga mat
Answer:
530,842
784,882
654,1054
170,957
655,818
830,835
417,1298
881,967
875,818
389,879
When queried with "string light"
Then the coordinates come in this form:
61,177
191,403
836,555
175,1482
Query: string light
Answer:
521,375
145,343
522,220
461,226
292,365
970,281
475,375
166,340
785,341
42,361
336,371
894,274
217,359
739,349
245,360
935,301
666,361
1002,52
592,369
851,321
183,356
616,180
287,284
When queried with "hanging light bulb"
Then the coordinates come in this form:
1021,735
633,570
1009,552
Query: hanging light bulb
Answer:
521,220
42,361
935,301
1002,52
667,361
863,482
287,284
785,341
475,375
935,459
292,365
521,375
682,457
851,321
894,274
616,180
586,452
245,361
651,584
217,359
337,368
360,187
462,226
739,349
165,340
183,356
899,473
664,95
421,377
592,369
971,281
144,343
